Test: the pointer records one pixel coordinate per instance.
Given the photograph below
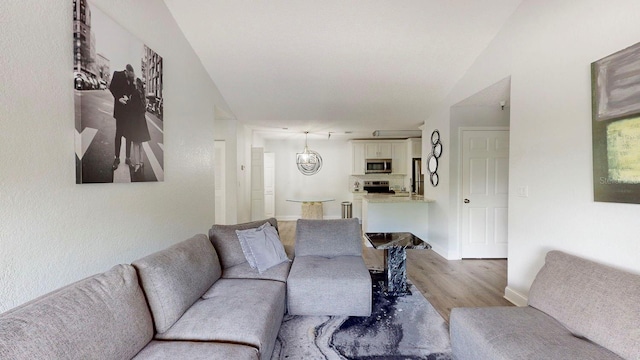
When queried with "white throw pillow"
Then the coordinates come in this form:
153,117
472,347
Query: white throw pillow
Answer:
262,247
243,236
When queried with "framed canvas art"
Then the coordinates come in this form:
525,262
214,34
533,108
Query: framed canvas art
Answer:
615,84
118,102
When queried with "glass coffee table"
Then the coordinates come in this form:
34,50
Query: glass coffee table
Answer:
395,245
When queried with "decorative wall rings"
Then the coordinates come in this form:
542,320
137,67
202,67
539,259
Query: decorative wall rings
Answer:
432,159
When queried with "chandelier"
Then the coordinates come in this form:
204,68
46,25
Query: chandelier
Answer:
309,162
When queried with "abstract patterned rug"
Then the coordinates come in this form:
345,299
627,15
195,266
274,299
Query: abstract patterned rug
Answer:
405,327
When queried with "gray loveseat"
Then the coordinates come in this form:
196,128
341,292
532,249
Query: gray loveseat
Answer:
578,309
178,303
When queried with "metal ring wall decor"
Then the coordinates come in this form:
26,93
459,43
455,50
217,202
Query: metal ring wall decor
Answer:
432,159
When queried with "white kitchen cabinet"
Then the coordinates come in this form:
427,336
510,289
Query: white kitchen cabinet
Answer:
416,148
378,150
399,158
357,158
396,150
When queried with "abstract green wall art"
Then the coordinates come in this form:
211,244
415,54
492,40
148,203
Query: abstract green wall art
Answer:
615,89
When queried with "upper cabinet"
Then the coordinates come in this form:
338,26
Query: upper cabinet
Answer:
378,150
357,158
399,158
415,148
396,150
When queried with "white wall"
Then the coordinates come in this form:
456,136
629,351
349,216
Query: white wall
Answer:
53,231
547,48
331,182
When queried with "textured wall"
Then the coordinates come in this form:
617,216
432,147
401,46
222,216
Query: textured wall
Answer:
547,48
52,231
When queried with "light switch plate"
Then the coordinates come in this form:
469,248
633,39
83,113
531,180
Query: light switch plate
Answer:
523,191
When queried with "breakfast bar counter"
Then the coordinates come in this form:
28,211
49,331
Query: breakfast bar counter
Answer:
384,213
396,198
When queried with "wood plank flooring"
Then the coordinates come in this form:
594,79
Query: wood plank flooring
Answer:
445,283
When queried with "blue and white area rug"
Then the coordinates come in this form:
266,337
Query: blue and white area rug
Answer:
405,327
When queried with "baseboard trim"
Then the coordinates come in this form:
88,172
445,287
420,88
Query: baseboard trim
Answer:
440,251
515,297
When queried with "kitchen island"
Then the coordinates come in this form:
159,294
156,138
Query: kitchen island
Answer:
382,213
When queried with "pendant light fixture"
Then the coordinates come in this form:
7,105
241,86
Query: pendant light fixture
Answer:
309,162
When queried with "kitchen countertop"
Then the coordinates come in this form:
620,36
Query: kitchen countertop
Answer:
396,198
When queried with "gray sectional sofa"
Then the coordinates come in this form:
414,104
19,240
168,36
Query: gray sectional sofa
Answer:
198,299
578,309
178,303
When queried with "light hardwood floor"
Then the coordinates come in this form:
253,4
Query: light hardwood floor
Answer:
445,283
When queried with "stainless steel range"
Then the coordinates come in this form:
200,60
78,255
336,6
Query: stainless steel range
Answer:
377,186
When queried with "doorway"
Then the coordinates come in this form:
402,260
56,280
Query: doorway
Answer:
219,165
257,183
484,193
269,185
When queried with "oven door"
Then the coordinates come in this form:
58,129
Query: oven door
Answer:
377,166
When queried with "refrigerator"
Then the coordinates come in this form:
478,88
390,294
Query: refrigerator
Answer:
417,177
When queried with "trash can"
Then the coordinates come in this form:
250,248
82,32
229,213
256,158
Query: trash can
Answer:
346,209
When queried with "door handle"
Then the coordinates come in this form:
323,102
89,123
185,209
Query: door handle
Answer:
466,201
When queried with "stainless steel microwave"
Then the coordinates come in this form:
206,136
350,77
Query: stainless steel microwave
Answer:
377,166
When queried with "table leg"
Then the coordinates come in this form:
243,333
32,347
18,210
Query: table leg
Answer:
311,210
395,264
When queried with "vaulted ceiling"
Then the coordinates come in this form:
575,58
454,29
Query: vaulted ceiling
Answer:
337,65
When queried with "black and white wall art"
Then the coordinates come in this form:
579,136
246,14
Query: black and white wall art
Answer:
118,100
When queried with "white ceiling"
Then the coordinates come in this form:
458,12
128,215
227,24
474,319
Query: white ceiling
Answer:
337,65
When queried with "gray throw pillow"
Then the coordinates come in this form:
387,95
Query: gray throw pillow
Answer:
262,247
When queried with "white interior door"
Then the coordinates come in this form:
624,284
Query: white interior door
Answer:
257,183
485,190
269,185
219,166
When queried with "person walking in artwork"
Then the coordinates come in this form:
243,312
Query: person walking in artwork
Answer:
122,86
136,129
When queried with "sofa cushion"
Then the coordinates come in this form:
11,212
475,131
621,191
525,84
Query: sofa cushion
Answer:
592,300
502,333
196,350
237,311
104,316
174,278
329,286
244,271
226,243
328,238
